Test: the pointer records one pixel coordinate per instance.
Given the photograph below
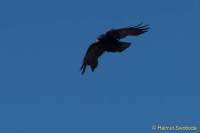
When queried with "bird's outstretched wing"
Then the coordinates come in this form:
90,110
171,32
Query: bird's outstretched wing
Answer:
127,31
91,57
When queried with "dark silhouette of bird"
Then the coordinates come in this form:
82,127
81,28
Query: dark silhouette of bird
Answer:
110,42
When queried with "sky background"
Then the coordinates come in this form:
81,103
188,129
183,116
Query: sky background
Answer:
155,81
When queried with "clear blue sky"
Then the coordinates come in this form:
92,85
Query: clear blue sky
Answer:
155,81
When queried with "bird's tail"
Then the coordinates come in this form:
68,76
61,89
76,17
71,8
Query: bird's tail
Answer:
123,46
83,67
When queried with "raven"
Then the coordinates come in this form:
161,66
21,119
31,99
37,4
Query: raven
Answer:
110,42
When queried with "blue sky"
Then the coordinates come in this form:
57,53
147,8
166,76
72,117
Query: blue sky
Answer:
155,81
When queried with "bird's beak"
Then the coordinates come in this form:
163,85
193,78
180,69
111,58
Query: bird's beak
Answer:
97,40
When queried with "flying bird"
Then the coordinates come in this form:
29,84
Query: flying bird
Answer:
110,42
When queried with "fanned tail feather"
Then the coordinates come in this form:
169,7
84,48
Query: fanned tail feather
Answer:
123,46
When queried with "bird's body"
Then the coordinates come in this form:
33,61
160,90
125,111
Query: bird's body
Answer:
109,42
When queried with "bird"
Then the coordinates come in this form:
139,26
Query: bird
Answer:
110,41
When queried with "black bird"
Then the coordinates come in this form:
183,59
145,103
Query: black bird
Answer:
110,42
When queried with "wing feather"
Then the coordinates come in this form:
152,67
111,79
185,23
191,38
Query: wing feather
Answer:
91,57
127,31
